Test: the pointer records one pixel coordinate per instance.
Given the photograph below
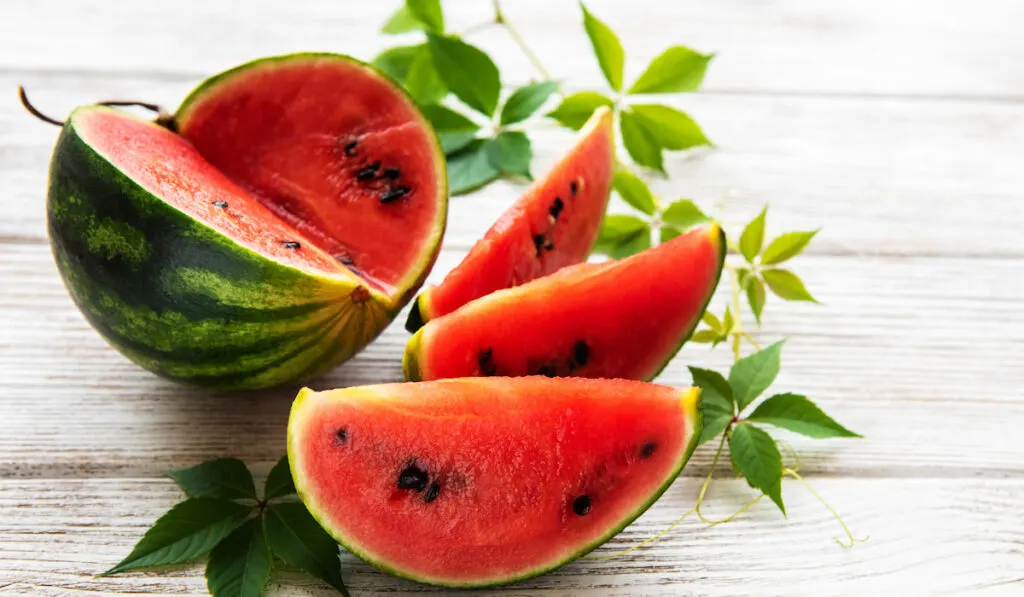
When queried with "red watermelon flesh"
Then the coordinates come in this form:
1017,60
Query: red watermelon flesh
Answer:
619,319
553,225
335,151
477,482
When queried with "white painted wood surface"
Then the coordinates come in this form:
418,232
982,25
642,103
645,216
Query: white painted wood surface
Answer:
897,126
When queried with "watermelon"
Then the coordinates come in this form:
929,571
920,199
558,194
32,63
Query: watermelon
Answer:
553,225
295,208
618,319
478,482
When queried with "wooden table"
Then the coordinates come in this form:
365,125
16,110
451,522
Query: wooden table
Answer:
897,126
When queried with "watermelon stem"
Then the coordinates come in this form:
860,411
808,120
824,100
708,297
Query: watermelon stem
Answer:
33,111
163,117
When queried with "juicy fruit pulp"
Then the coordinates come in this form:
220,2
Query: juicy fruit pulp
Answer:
554,224
619,319
188,270
476,482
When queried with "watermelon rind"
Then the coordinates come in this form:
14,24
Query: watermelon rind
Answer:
691,400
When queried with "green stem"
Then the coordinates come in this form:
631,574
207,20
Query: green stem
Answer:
846,529
499,17
738,332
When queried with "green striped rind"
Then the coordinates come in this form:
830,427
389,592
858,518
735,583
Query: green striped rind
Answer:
183,300
691,400
406,288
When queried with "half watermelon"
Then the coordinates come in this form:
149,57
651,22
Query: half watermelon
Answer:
618,319
479,482
297,209
554,224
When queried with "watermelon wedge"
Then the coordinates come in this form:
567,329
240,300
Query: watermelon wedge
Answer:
297,209
554,224
477,482
618,319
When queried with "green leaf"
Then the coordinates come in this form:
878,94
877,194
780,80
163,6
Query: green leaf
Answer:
670,128
786,285
677,69
607,48
395,62
403,21
712,321
685,214
423,82
753,237
786,246
470,168
510,153
525,101
298,539
576,109
226,478
618,228
279,481
240,565
797,413
427,12
743,277
185,532
669,232
639,142
751,375
454,131
755,455
634,191
467,71
704,337
631,246
727,321
716,401
755,296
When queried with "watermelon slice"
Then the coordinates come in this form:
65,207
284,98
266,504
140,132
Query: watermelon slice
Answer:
476,482
553,225
618,319
297,209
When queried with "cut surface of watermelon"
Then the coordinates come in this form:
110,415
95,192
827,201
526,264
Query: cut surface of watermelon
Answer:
553,225
618,319
486,481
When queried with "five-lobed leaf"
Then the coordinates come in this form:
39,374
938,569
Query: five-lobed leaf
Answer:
756,456
752,238
403,21
470,168
395,62
634,191
786,285
607,47
639,142
753,374
525,101
297,538
510,153
786,246
798,414
576,109
670,128
677,69
427,12
467,71
422,80
188,530
685,214
454,131
716,401
225,478
240,565
755,296
279,482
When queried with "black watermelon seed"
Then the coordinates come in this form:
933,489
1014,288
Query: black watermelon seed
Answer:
547,370
350,147
290,244
341,436
556,208
486,361
647,450
574,188
581,505
413,477
394,194
581,352
391,173
368,172
221,204
538,243
549,245
432,493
